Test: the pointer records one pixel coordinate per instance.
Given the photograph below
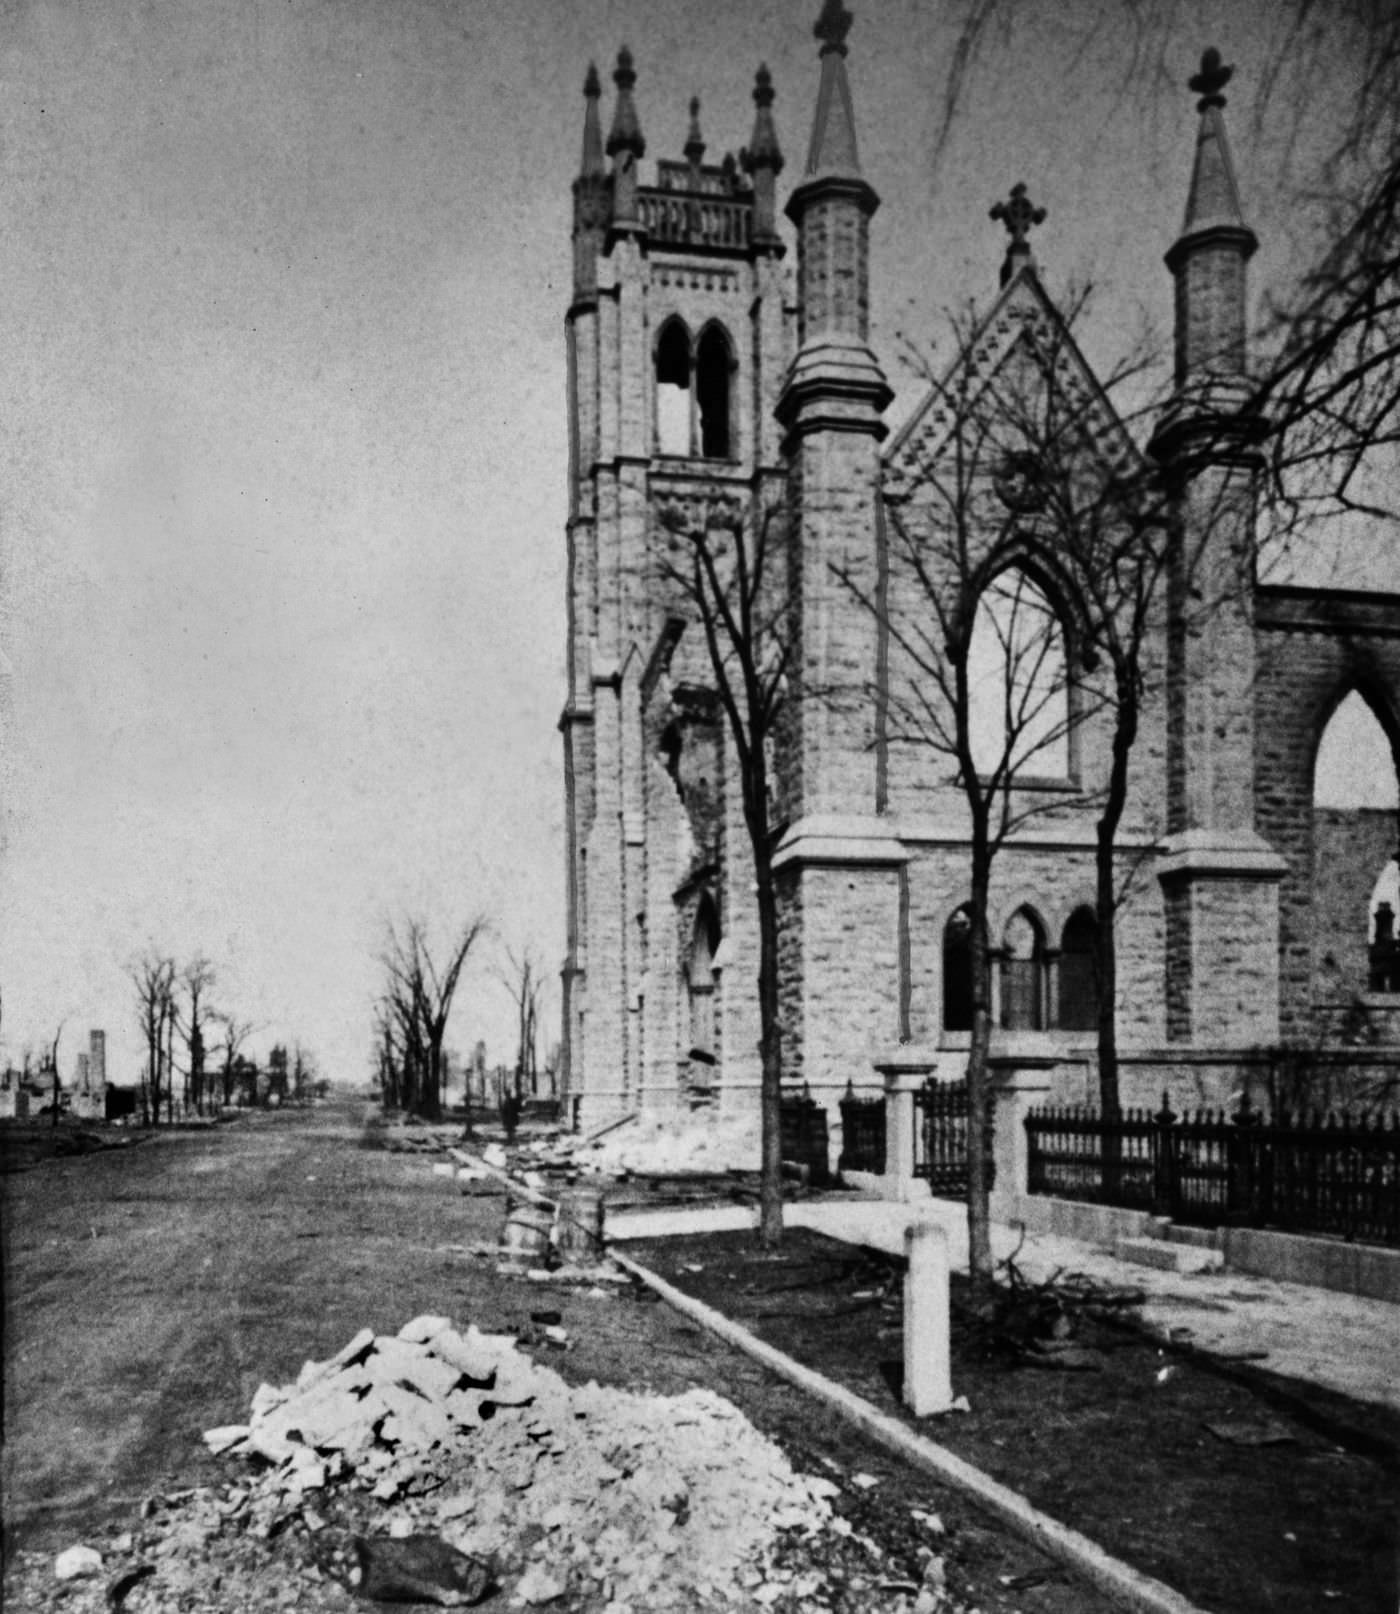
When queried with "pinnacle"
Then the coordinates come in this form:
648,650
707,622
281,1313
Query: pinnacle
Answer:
833,148
1214,198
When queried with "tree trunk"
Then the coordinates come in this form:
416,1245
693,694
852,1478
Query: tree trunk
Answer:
1106,953
770,1227
979,1228
1106,897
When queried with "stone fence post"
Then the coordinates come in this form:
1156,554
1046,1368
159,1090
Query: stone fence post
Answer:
904,1072
1015,1094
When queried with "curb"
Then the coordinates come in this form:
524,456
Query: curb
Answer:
1125,1585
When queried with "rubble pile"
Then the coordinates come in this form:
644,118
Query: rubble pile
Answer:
450,1468
568,1497
667,1147
566,1490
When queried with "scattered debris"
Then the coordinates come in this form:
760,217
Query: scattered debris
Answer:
443,1465
1263,1433
404,1569
650,1146
74,1562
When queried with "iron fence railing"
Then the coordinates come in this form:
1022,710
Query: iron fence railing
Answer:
942,1134
940,1137
1336,1175
804,1138
862,1133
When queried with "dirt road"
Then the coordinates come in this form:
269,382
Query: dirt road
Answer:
149,1291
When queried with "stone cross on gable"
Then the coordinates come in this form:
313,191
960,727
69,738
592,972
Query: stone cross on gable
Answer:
1018,213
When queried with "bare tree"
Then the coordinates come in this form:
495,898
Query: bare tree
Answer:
418,996
53,1065
1324,387
986,642
198,978
1029,476
153,977
304,1073
726,565
236,1034
524,979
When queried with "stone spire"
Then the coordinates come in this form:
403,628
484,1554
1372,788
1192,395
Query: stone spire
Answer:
1018,214
1208,258
591,163
590,194
831,208
763,160
694,147
1214,199
626,146
833,147
1220,878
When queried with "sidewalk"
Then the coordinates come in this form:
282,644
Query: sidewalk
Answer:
1341,1342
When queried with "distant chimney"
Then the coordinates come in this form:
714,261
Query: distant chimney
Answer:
97,1058
80,1080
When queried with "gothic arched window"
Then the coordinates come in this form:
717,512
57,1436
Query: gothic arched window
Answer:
1019,707
712,366
957,972
1356,794
1079,982
673,389
1023,973
701,980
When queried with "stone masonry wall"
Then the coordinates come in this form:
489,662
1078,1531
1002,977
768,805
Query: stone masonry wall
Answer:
849,981
1228,931
1311,655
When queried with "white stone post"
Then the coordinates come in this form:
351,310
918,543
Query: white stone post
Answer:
928,1382
904,1073
1018,1088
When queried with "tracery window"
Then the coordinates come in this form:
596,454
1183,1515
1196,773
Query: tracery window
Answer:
1018,685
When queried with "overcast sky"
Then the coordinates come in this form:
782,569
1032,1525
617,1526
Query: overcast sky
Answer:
282,430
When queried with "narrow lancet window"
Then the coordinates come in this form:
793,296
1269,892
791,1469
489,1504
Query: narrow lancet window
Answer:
712,367
673,389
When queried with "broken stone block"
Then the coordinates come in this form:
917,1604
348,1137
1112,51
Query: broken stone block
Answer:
422,1329
74,1562
304,1472
409,1419
265,1398
474,1354
355,1351
464,1406
398,1362
225,1437
271,1442
540,1585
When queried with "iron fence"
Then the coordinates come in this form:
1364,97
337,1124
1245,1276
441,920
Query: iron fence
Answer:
942,1133
1333,1175
803,1135
862,1133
